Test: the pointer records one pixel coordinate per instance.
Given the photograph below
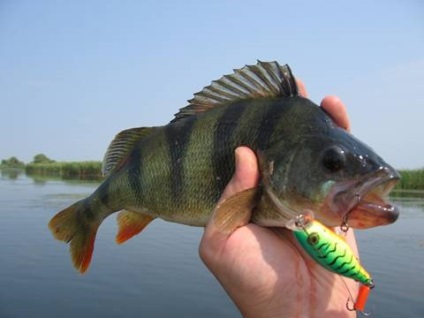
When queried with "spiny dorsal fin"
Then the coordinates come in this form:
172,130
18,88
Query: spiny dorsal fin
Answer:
121,146
265,79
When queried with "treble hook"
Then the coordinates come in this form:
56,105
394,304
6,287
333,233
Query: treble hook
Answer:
353,308
344,227
360,301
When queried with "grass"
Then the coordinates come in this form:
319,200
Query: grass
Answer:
91,170
411,180
85,170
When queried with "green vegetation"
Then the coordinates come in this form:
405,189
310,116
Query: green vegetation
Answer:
44,166
91,170
42,158
411,180
87,170
12,163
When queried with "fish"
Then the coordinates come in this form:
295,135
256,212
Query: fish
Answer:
178,171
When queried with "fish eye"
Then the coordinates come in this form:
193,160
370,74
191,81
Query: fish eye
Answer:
334,158
313,238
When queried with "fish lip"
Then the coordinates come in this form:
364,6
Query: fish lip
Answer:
363,203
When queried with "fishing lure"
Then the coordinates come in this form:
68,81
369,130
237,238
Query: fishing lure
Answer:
332,252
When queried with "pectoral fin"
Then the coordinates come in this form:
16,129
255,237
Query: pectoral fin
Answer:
131,223
235,211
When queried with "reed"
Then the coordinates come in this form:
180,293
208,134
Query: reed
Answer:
91,170
411,180
87,170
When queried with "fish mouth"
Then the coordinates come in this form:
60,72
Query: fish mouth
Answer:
364,203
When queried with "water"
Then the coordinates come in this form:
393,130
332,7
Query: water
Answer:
159,273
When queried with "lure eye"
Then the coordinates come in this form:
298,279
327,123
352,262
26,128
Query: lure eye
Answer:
313,238
334,158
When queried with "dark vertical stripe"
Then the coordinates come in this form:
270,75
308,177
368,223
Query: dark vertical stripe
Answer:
270,122
177,136
345,272
222,154
345,263
87,212
135,174
336,258
103,193
326,244
330,252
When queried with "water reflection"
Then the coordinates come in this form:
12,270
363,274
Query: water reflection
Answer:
407,194
11,173
43,179
161,265
408,198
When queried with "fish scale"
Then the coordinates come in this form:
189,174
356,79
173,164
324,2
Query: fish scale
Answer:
177,172
177,137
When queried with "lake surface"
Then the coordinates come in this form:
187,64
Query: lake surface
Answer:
158,273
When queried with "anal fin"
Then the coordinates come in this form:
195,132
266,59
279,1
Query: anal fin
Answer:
131,223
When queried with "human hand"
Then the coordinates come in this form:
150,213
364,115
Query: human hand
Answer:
333,106
264,271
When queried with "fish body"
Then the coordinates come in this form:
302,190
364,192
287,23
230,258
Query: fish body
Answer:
177,172
329,250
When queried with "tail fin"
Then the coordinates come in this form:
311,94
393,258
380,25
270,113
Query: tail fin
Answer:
71,225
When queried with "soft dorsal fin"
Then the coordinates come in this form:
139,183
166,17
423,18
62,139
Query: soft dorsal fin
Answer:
265,79
121,146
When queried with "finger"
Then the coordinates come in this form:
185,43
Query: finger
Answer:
337,110
302,88
245,177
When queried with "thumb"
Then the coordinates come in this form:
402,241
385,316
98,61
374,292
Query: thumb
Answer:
245,177
246,173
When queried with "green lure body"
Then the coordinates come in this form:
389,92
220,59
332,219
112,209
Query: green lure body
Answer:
329,250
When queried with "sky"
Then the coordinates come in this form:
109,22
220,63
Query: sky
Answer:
75,73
